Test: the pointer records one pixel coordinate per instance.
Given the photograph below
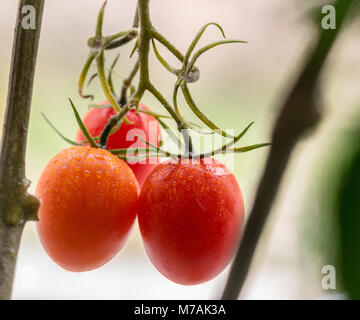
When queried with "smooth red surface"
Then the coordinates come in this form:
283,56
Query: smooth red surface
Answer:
89,202
144,125
190,217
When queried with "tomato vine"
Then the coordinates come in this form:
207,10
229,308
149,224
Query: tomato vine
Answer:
146,34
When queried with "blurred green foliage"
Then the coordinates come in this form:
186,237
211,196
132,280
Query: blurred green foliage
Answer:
332,222
347,212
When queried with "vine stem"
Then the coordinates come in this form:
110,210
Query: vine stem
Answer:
127,83
159,37
146,32
145,37
144,44
16,205
298,114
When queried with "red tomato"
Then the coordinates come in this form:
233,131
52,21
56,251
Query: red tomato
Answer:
190,217
144,125
89,201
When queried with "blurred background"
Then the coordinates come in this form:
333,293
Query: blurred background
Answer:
239,83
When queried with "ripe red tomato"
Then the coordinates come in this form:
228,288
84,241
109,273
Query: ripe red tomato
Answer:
89,201
144,125
190,217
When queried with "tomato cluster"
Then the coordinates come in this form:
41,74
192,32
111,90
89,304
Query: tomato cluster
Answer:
190,212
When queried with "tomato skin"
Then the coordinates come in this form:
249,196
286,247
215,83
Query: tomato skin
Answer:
89,202
145,125
190,216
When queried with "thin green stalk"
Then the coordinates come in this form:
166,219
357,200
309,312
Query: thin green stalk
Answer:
84,73
109,80
144,43
162,60
166,43
104,84
180,124
82,127
100,19
177,111
115,36
127,83
113,121
196,40
59,133
201,51
190,101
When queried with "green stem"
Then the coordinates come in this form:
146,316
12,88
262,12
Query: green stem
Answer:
104,84
166,43
111,70
109,39
162,60
84,73
111,124
196,40
201,51
100,19
82,126
190,101
144,44
180,124
127,83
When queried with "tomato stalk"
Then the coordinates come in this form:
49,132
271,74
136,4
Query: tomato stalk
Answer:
16,205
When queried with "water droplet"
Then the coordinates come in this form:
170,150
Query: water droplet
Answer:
86,173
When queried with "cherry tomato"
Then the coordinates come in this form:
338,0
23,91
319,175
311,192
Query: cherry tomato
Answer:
190,217
89,201
144,125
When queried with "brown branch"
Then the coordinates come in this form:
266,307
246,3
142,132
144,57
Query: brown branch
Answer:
298,114
16,205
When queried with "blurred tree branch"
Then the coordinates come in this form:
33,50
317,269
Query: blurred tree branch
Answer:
16,205
298,114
